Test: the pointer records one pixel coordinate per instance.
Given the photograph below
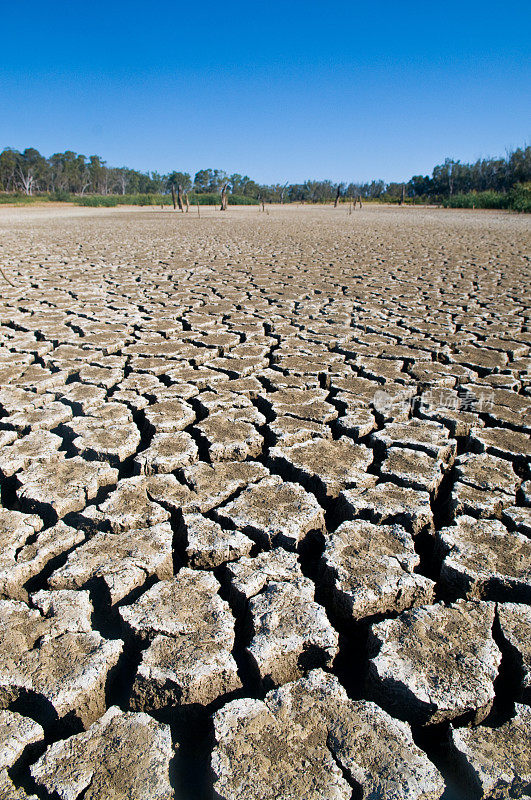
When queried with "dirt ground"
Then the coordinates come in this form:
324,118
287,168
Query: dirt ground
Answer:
265,503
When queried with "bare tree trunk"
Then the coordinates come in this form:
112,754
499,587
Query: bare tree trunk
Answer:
187,202
338,195
282,193
224,197
27,182
403,195
359,200
173,197
180,197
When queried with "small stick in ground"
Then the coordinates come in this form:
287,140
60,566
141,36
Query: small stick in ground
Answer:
197,204
4,276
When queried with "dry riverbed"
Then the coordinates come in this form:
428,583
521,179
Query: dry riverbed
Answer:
265,504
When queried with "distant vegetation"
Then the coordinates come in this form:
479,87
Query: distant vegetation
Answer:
157,200
487,183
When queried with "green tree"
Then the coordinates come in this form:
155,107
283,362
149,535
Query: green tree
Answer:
31,169
96,174
8,169
203,180
177,179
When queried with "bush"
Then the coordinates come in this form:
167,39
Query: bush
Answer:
520,197
61,196
143,199
97,200
214,199
241,200
17,198
488,199
111,200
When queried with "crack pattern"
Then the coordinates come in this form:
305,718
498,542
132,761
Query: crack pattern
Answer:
254,479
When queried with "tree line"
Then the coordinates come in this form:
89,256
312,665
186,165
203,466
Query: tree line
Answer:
69,173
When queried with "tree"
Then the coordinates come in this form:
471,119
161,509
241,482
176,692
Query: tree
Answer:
97,174
31,167
236,183
372,190
250,188
8,169
122,179
203,179
66,172
419,185
444,176
519,165
181,179
218,181
29,171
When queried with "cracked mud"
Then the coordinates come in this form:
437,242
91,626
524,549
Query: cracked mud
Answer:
265,505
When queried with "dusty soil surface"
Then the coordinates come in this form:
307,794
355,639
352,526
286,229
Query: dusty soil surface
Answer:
265,504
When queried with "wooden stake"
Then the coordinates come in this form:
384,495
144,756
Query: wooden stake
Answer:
224,197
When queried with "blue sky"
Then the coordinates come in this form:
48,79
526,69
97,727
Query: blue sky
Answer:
281,91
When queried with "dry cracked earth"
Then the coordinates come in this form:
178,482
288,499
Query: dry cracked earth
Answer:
265,505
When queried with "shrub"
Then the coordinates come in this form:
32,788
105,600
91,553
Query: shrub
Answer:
97,200
488,199
61,196
143,199
520,197
18,199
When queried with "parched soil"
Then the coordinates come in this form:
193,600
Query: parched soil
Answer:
265,504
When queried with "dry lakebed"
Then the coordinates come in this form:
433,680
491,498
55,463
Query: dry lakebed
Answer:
265,507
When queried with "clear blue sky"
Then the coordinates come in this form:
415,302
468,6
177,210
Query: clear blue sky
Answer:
276,90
